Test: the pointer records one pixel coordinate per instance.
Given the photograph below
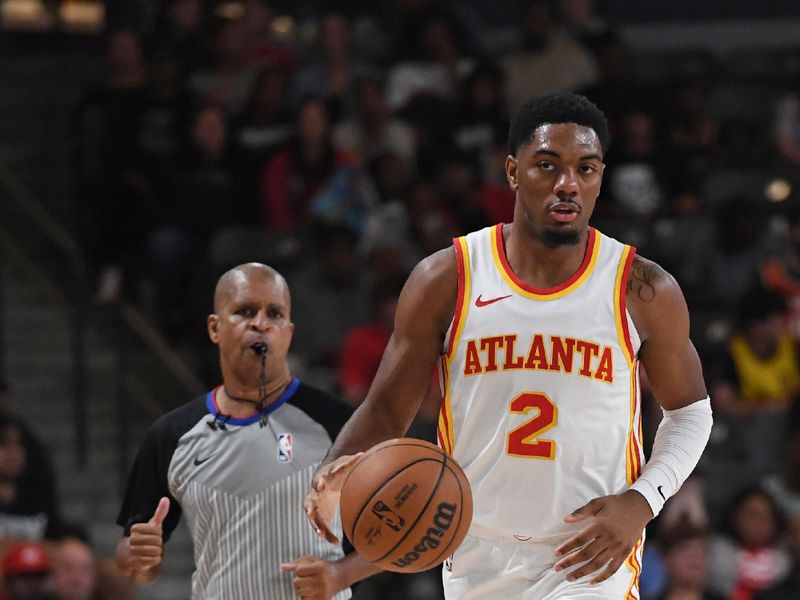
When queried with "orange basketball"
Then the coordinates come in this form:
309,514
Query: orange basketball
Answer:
406,505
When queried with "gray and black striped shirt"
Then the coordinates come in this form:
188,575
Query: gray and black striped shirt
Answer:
241,487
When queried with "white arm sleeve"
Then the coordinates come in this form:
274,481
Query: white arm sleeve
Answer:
679,442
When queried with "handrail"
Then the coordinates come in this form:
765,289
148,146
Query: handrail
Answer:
28,203
25,200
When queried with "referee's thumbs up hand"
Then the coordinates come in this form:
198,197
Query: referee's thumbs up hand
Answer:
161,513
146,546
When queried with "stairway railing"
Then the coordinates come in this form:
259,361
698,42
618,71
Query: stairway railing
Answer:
21,205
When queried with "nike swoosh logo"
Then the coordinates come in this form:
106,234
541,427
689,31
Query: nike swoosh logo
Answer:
200,461
662,493
479,301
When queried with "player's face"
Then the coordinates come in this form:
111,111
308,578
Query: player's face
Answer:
557,179
255,310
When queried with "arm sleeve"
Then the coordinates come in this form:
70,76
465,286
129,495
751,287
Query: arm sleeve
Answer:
679,443
147,482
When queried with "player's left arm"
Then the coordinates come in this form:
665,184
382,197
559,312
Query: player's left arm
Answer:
659,312
318,579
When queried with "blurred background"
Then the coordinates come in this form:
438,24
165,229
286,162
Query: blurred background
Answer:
147,146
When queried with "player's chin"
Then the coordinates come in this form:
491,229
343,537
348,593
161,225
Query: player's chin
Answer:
561,234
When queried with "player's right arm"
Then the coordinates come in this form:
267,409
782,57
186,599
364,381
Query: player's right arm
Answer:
424,312
139,555
149,513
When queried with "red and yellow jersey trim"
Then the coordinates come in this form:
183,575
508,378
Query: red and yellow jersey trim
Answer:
620,306
634,564
633,455
570,285
445,428
464,294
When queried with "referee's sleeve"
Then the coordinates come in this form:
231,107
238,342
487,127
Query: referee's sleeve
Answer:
147,482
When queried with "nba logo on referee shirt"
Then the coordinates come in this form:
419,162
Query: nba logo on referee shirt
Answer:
284,447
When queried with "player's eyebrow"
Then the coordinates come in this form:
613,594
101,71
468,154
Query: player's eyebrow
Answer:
546,152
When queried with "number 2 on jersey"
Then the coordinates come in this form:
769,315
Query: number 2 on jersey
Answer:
523,441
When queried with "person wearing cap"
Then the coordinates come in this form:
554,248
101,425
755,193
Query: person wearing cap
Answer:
26,570
237,460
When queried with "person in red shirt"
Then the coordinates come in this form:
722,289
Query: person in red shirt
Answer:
363,345
26,570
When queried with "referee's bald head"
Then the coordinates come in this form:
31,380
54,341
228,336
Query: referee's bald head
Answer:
240,275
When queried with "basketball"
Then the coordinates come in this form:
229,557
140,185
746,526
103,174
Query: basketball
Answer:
406,505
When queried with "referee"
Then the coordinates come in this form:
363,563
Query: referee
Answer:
238,461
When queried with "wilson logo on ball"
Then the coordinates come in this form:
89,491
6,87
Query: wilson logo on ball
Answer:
388,516
442,520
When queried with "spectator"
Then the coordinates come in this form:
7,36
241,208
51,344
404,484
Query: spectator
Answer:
292,178
747,557
114,215
686,559
262,49
780,271
581,20
481,123
546,60
180,32
26,571
231,75
386,239
731,267
784,485
439,69
363,346
331,75
38,473
372,130
759,376
786,135
204,181
789,588
694,149
432,222
264,126
636,186
73,571
331,283
28,509
496,197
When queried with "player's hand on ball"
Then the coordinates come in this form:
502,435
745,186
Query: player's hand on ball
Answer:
314,578
323,498
616,525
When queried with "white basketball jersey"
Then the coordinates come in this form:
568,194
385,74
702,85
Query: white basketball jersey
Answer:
541,403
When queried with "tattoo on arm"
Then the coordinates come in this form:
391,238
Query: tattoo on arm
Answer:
642,280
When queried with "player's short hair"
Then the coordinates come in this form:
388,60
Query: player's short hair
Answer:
557,107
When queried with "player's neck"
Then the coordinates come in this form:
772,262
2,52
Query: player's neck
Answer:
541,265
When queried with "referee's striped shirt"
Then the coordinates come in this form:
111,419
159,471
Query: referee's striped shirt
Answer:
241,488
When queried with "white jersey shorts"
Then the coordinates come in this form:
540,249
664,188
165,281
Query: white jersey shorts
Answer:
502,569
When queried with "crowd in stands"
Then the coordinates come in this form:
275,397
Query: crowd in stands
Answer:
42,555
342,146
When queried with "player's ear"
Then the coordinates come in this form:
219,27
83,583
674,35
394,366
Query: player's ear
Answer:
511,172
213,328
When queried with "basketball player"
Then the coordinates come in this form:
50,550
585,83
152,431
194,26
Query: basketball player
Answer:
539,327
237,462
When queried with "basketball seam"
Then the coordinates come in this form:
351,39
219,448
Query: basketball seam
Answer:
439,558
374,453
421,512
364,506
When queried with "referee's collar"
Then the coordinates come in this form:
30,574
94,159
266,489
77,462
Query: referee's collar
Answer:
213,407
